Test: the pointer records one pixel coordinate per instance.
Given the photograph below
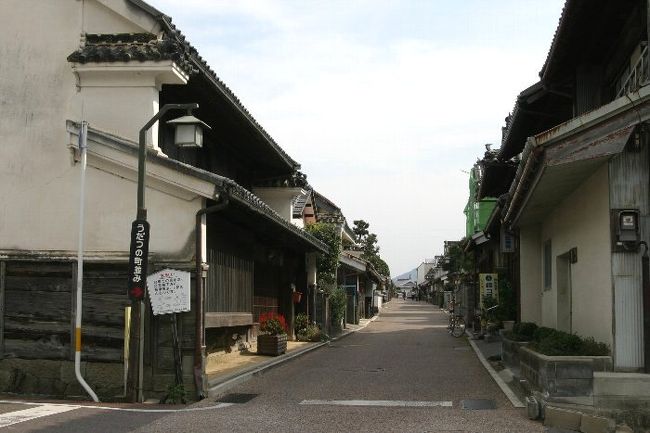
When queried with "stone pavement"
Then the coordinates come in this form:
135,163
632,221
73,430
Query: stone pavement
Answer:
227,370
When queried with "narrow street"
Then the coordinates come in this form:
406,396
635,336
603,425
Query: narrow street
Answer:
403,372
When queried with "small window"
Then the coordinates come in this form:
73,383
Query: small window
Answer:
547,265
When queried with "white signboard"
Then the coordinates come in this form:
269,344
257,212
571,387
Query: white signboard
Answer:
169,291
489,286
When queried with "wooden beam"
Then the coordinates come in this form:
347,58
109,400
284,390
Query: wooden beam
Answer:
222,320
3,271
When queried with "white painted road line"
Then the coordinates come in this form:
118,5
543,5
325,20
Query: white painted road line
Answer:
7,419
118,409
380,403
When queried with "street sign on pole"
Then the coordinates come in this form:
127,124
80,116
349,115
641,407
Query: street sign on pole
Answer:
138,256
169,291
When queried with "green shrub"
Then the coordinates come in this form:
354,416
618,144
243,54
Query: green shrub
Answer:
543,332
591,347
552,342
523,331
559,344
338,303
301,323
310,333
176,394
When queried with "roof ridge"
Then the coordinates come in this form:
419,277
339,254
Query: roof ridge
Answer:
202,64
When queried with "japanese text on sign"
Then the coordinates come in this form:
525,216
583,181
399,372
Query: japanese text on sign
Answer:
169,291
138,259
488,284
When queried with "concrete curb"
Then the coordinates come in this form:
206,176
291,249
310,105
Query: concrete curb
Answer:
220,385
514,400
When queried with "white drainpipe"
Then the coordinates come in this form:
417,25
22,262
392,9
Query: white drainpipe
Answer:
80,264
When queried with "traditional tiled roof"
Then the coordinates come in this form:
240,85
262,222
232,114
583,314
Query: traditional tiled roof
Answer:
299,204
171,45
514,115
556,37
295,180
203,67
127,47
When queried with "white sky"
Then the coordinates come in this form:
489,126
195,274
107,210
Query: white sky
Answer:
385,104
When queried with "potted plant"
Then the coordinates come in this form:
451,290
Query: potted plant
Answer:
273,340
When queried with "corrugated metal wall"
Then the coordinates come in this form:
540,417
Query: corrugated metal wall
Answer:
628,173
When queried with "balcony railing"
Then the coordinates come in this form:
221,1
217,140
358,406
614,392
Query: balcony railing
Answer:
637,77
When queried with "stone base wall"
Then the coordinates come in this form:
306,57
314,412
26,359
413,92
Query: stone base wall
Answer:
562,376
510,352
57,378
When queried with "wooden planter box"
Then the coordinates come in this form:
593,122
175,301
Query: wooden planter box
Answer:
273,345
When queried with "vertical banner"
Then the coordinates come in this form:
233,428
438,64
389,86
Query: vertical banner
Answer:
489,286
138,260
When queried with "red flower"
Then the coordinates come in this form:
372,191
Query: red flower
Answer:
273,323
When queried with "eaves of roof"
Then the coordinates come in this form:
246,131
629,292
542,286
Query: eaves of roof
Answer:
590,32
513,118
173,46
221,87
611,122
226,185
320,197
559,34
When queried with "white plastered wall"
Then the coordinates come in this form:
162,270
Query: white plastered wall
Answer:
39,182
530,273
582,221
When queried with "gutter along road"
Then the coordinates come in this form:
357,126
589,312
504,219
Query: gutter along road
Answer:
401,373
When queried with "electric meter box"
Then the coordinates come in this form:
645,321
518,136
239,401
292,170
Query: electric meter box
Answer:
625,230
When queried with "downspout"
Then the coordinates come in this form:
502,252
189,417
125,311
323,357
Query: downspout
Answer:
83,146
199,325
645,282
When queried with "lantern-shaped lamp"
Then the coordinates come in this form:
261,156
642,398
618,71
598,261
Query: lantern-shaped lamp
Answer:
188,131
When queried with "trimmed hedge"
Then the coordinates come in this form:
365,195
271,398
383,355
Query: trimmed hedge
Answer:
522,331
551,342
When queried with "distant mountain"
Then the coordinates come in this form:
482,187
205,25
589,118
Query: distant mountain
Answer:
407,276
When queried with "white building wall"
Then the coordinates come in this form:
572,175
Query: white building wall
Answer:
582,221
39,182
530,273
280,199
422,271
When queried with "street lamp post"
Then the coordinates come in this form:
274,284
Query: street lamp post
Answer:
139,249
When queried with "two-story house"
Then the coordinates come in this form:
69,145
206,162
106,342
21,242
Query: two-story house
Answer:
114,64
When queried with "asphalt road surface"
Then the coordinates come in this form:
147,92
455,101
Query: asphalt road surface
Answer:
402,373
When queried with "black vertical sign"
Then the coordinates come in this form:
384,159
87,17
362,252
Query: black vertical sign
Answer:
138,256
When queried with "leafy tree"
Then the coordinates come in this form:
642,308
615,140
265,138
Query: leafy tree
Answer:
360,230
457,260
380,265
370,248
368,245
327,263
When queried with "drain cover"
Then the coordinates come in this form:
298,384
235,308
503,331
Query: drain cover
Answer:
236,398
463,348
478,404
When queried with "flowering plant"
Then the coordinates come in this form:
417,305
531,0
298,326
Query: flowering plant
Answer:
273,324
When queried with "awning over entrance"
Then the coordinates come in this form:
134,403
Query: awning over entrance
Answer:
586,148
566,164
554,162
